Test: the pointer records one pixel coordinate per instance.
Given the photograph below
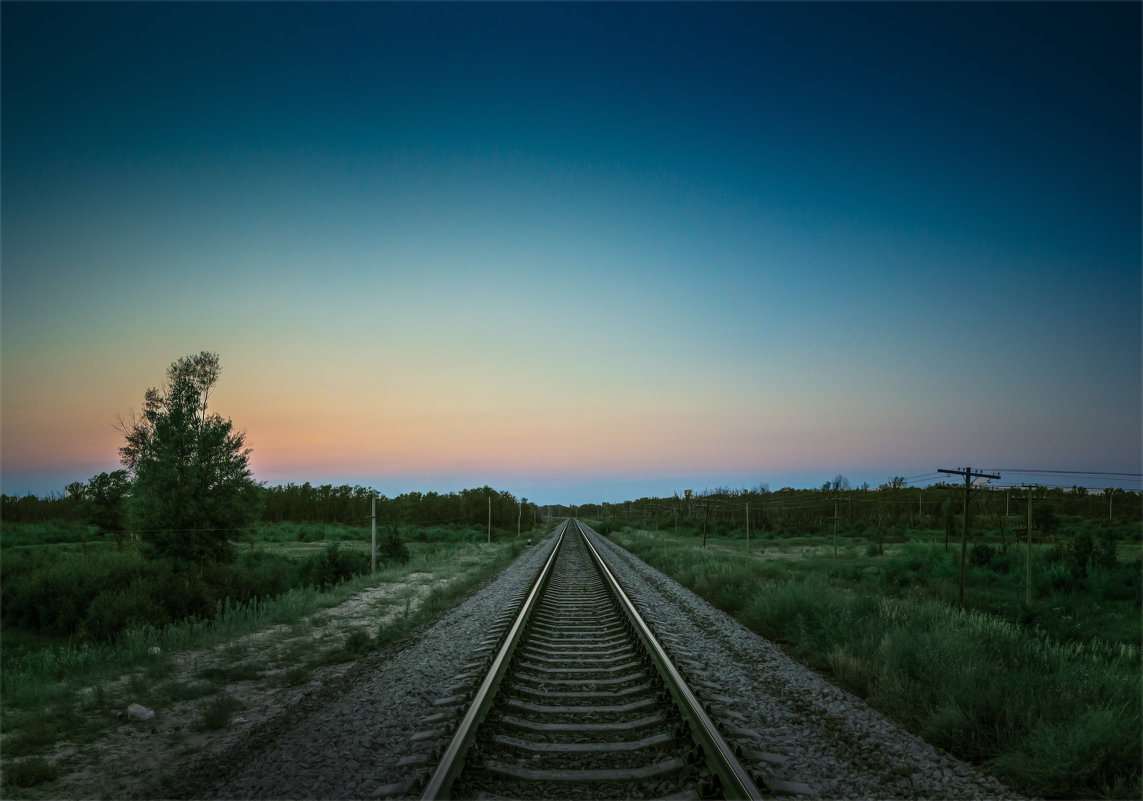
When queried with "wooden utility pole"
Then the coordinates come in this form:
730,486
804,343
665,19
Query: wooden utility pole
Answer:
835,529
969,475
1027,529
1028,533
373,528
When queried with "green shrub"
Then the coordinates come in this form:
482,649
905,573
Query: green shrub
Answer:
51,592
1055,577
263,575
1104,553
981,555
112,611
392,549
608,527
333,565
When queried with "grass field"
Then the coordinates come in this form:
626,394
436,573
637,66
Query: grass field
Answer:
1046,696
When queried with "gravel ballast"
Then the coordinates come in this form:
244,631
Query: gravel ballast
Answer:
800,735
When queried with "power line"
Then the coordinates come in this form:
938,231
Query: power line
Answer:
1066,472
931,474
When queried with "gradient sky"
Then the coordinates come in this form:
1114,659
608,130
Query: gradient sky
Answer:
577,251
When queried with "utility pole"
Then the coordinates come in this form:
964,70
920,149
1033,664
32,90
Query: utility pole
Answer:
373,527
835,528
969,475
705,521
1028,532
748,527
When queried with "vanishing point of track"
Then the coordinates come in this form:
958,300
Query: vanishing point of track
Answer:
582,702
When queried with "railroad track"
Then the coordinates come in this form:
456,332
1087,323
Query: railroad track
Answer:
582,702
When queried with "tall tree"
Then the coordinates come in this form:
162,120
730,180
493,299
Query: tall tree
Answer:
104,503
193,488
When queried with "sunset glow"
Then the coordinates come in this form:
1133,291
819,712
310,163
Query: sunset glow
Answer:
577,249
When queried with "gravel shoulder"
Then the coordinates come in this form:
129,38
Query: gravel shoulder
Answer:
800,736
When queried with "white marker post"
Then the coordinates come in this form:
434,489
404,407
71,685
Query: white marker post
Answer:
373,526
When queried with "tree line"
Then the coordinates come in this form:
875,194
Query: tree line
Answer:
102,501
893,505
305,503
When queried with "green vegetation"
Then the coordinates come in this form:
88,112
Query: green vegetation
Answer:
217,713
62,607
1046,696
28,772
97,596
65,690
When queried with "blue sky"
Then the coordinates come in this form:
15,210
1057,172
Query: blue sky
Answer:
565,247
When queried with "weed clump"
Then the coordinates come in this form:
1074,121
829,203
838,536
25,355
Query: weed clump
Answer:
358,642
217,713
29,772
292,677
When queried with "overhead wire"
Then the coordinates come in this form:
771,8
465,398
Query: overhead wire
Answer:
1064,472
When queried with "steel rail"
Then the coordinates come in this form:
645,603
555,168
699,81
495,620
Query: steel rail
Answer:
452,760
736,782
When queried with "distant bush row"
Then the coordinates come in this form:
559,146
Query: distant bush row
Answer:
94,597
